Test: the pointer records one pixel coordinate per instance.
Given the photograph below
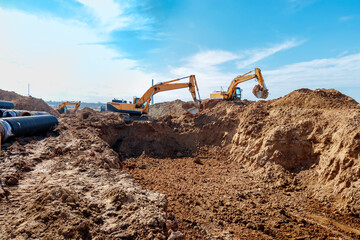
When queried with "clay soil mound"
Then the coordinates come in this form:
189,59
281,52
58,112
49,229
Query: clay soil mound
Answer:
27,103
319,98
174,108
319,140
85,113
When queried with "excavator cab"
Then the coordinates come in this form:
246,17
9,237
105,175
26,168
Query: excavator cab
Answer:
238,93
63,110
136,99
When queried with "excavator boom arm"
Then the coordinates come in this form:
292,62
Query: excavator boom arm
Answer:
64,104
243,78
77,106
166,86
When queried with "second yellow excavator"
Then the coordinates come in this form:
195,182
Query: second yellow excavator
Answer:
62,107
140,106
233,92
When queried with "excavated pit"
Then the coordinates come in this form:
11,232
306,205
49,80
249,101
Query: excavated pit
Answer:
171,136
150,138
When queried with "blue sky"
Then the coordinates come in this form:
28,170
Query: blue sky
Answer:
96,50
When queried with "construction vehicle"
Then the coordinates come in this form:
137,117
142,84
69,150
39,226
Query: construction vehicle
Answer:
234,93
140,106
62,108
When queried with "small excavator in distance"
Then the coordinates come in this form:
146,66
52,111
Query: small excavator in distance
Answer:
234,93
140,106
62,107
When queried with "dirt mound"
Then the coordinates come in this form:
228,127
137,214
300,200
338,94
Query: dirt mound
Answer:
319,98
85,113
321,142
174,108
27,103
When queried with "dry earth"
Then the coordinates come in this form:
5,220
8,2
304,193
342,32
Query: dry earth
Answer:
287,168
26,103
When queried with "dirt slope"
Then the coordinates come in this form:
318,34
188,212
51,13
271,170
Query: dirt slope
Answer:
319,140
27,103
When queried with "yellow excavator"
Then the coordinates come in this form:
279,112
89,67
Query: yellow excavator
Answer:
140,106
233,92
62,107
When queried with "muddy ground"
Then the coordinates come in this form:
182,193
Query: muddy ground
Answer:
287,168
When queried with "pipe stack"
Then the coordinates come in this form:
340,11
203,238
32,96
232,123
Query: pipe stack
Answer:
6,105
26,126
20,113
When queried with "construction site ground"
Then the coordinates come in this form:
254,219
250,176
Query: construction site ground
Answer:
287,168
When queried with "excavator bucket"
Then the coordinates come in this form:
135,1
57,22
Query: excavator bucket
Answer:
195,109
260,92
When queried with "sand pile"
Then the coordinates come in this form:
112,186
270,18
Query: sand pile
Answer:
27,103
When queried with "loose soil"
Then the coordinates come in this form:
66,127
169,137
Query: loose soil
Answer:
27,103
287,168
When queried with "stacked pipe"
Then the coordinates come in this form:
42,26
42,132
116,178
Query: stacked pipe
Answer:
26,126
20,113
7,110
19,123
6,105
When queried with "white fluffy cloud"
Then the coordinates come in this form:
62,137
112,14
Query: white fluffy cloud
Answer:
257,55
210,58
110,15
61,60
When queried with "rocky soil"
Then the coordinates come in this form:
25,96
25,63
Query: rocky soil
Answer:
287,168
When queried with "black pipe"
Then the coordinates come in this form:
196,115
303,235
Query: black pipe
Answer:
5,130
6,105
26,126
36,113
20,113
15,113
